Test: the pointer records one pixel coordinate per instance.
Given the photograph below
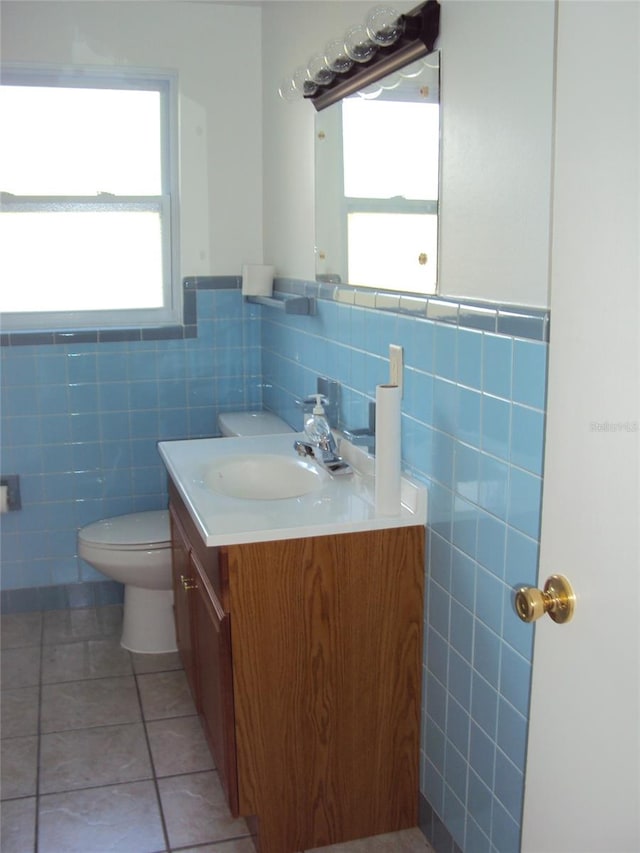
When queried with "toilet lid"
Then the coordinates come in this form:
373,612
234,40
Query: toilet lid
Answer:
138,530
251,423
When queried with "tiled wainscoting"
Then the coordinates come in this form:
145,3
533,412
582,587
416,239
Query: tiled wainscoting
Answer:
81,420
80,423
473,415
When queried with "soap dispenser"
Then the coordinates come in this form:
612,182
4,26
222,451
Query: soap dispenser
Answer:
316,426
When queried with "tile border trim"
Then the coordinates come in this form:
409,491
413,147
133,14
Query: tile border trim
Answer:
500,318
187,329
61,596
433,829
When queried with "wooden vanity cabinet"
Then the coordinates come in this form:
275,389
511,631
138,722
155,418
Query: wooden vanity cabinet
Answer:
324,665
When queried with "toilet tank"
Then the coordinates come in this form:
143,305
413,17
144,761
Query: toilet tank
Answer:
251,423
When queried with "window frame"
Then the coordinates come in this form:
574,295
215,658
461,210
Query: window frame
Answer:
164,82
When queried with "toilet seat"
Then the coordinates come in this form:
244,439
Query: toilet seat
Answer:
138,531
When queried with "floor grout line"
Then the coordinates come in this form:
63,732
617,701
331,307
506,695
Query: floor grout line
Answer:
150,776
36,832
163,821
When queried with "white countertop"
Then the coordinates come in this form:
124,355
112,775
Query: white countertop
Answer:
344,504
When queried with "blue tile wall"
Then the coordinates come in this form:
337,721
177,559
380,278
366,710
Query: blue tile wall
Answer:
472,428
80,423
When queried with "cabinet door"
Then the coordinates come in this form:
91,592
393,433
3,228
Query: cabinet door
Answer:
327,660
183,591
215,682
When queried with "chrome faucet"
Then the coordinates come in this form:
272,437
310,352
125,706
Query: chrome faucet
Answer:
319,441
327,456
326,446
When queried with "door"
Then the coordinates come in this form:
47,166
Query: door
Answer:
583,761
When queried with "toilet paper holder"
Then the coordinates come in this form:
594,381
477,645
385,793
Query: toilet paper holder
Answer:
10,494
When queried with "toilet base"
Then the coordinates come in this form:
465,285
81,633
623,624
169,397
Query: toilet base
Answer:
148,624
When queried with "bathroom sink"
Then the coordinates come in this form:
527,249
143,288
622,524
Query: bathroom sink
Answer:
263,476
231,487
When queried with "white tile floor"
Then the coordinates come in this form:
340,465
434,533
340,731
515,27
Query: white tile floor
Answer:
102,749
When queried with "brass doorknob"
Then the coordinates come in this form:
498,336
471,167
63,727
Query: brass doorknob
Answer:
557,599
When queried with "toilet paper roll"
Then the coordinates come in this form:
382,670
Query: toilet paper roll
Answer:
388,450
257,280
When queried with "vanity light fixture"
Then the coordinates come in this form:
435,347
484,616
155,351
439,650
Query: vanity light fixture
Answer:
386,42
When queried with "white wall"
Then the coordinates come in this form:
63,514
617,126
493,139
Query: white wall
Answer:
497,71
497,82
497,95
220,102
292,33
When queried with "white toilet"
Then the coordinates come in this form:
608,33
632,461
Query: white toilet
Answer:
135,550
251,423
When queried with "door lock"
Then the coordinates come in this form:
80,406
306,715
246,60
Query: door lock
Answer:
557,599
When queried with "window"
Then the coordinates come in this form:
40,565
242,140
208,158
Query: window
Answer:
88,223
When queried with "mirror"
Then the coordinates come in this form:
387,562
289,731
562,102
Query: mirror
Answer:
377,167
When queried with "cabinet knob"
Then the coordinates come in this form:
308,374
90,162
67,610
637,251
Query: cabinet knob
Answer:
188,583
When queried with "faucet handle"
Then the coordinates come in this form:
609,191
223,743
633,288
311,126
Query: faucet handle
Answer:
303,449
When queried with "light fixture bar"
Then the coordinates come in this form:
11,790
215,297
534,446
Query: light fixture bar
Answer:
422,27
368,75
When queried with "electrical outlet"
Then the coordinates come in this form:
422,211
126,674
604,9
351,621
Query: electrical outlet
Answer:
396,359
